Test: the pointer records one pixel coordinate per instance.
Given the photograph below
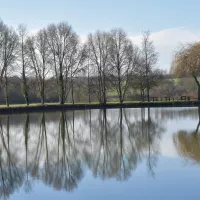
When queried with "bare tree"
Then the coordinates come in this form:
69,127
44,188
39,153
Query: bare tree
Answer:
2,69
139,78
8,55
150,57
99,56
23,60
10,46
38,52
73,64
88,70
123,60
60,37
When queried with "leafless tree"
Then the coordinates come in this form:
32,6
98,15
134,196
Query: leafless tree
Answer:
8,55
88,71
99,56
139,78
2,28
73,64
60,37
23,60
38,52
150,57
123,61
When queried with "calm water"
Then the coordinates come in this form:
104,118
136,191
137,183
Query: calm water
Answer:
101,154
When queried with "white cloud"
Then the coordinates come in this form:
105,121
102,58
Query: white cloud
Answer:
34,32
166,41
83,38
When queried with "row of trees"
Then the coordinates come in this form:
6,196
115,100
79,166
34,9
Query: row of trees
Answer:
109,60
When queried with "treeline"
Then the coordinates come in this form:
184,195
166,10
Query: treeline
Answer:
108,61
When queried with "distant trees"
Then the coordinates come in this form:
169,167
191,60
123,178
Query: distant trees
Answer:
186,62
107,61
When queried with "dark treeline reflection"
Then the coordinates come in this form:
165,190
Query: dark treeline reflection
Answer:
56,148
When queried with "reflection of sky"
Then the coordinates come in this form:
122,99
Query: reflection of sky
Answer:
174,179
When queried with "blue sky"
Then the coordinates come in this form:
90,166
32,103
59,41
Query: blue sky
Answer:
170,21
88,15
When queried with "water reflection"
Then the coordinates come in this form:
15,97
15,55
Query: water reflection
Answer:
188,143
57,148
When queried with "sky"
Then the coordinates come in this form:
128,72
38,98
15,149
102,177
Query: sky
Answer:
171,22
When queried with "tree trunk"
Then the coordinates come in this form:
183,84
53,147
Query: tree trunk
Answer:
43,84
148,98
198,84
42,94
89,97
25,87
25,92
61,90
6,91
88,79
119,86
197,129
72,90
104,89
142,94
24,81
198,92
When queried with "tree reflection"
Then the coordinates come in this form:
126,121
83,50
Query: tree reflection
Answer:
61,169
145,134
56,148
121,144
68,167
11,177
28,186
188,143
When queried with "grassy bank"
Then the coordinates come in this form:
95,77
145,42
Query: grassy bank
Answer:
18,108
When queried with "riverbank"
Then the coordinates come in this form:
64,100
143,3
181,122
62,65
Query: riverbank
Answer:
57,107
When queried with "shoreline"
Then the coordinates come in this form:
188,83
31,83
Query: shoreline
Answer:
57,107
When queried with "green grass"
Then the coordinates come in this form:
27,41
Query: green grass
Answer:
112,92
